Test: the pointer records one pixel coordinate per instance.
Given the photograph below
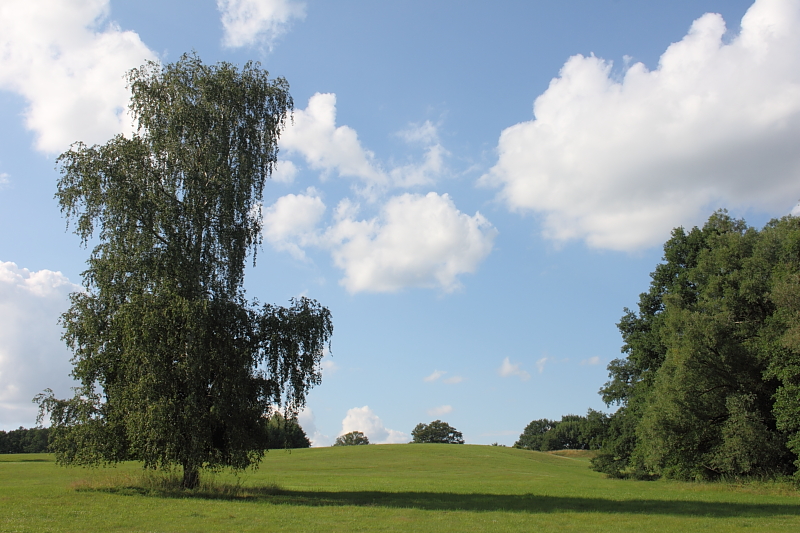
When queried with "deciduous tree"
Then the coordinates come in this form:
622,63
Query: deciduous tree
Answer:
175,366
354,438
437,432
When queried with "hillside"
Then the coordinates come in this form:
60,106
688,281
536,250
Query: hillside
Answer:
387,488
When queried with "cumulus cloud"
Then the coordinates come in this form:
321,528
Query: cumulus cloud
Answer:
32,355
432,166
438,374
331,149
363,419
291,222
541,362
441,410
329,366
434,376
285,172
619,162
257,22
307,421
314,135
507,369
417,241
68,61
591,361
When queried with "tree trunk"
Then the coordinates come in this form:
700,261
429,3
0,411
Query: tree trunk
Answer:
191,477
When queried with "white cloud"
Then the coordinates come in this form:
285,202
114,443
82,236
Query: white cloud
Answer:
4,179
541,362
434,376
439,373
619,163
364,420
307,421
507,369
591,361
32,355
326,147
285,172
417,241
329,367
257,22
432,165
313,134
290,223
68,61
441,410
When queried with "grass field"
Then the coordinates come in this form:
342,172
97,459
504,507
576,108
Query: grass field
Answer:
421,487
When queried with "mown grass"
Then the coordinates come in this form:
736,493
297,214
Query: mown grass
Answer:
385,488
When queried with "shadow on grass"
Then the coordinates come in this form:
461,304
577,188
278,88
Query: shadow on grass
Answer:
447,501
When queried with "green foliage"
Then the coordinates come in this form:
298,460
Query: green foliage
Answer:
283,433
176,367
354,438
437,432
21,440
572,432
392,488
708,386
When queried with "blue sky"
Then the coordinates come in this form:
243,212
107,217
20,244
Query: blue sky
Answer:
475,189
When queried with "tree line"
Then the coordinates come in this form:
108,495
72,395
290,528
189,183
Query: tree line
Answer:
709,385
22,440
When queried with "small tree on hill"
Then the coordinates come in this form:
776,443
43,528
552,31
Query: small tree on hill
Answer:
437,432
354,438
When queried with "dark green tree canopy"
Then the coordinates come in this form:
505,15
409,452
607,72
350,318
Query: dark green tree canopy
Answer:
572,432
285,433
708,384
176,366
354,438
436,432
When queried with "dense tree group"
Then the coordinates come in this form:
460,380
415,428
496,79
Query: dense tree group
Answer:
710,382
284,433
21,440
572,432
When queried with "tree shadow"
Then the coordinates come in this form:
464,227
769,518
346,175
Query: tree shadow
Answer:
449,501
531,503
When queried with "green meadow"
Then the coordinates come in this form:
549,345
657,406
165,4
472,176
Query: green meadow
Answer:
419,487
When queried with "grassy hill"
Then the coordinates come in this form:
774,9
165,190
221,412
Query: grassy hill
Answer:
404,487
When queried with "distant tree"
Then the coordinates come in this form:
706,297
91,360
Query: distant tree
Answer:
572,432
354,438
21,440
176,367
285,433
533,436
436,432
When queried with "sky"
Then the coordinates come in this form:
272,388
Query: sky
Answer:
476,190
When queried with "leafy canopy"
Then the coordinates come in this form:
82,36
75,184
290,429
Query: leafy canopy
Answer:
436,432
354,438
175,366
709,382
